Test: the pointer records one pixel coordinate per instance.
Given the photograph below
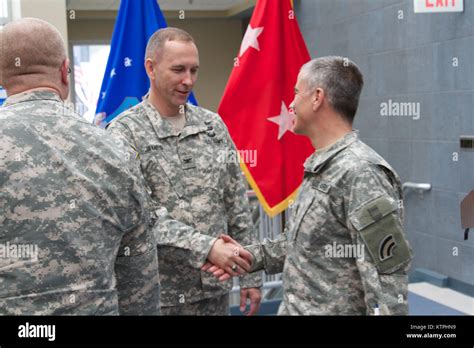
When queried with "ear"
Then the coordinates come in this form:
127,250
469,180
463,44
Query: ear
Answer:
64,72
150,69
317,98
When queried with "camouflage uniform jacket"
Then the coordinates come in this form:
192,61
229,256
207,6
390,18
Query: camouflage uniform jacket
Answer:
185,176
345,248
74,236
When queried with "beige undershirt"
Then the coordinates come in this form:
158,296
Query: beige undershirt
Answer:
323,149
177,122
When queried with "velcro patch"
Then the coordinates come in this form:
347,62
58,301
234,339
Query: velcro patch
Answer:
372,211
381,230
321,186
375,212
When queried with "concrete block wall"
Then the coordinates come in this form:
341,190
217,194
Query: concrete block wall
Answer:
412,58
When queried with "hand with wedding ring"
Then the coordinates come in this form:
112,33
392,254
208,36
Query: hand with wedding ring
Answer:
230,257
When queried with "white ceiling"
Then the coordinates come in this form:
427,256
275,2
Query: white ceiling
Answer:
165,5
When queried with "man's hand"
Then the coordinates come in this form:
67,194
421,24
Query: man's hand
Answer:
230,257
255,296
217,271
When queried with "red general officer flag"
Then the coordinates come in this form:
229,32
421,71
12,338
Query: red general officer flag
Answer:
255,105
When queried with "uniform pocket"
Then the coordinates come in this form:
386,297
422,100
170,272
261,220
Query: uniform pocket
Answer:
212,284
301,211
161,176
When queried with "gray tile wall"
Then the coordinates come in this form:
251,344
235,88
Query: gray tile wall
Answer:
410,59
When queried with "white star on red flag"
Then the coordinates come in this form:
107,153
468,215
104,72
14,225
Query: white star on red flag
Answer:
284,121
250,39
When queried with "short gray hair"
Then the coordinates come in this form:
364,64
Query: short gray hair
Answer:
160,37
341,80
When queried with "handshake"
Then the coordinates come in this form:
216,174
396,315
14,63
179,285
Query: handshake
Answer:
227,259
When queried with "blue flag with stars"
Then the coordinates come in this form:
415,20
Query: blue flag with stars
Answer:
3,95
125,80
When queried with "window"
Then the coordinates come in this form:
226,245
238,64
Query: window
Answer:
5,12
90,62
5,15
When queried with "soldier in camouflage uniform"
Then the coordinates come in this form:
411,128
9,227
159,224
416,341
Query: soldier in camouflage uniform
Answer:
180,147
344,250
70,191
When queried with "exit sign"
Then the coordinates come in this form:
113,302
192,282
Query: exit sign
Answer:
427,6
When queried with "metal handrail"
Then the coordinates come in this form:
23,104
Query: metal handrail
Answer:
267,285
416,186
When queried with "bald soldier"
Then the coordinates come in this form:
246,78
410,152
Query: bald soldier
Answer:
344,251
179,145
74,235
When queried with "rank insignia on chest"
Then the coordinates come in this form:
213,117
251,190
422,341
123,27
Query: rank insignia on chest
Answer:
187,162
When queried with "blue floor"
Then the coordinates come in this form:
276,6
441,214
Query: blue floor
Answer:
418,305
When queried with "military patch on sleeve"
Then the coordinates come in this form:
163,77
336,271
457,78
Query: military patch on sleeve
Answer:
382,233
386,247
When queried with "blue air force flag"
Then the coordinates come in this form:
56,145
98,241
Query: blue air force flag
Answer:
3,95
125,80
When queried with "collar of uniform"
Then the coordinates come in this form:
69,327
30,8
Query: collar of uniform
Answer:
164,129
31,96
194,122
314,163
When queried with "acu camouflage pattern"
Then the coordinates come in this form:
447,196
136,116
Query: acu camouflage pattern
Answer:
187,180
76,193
337,184
211,306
